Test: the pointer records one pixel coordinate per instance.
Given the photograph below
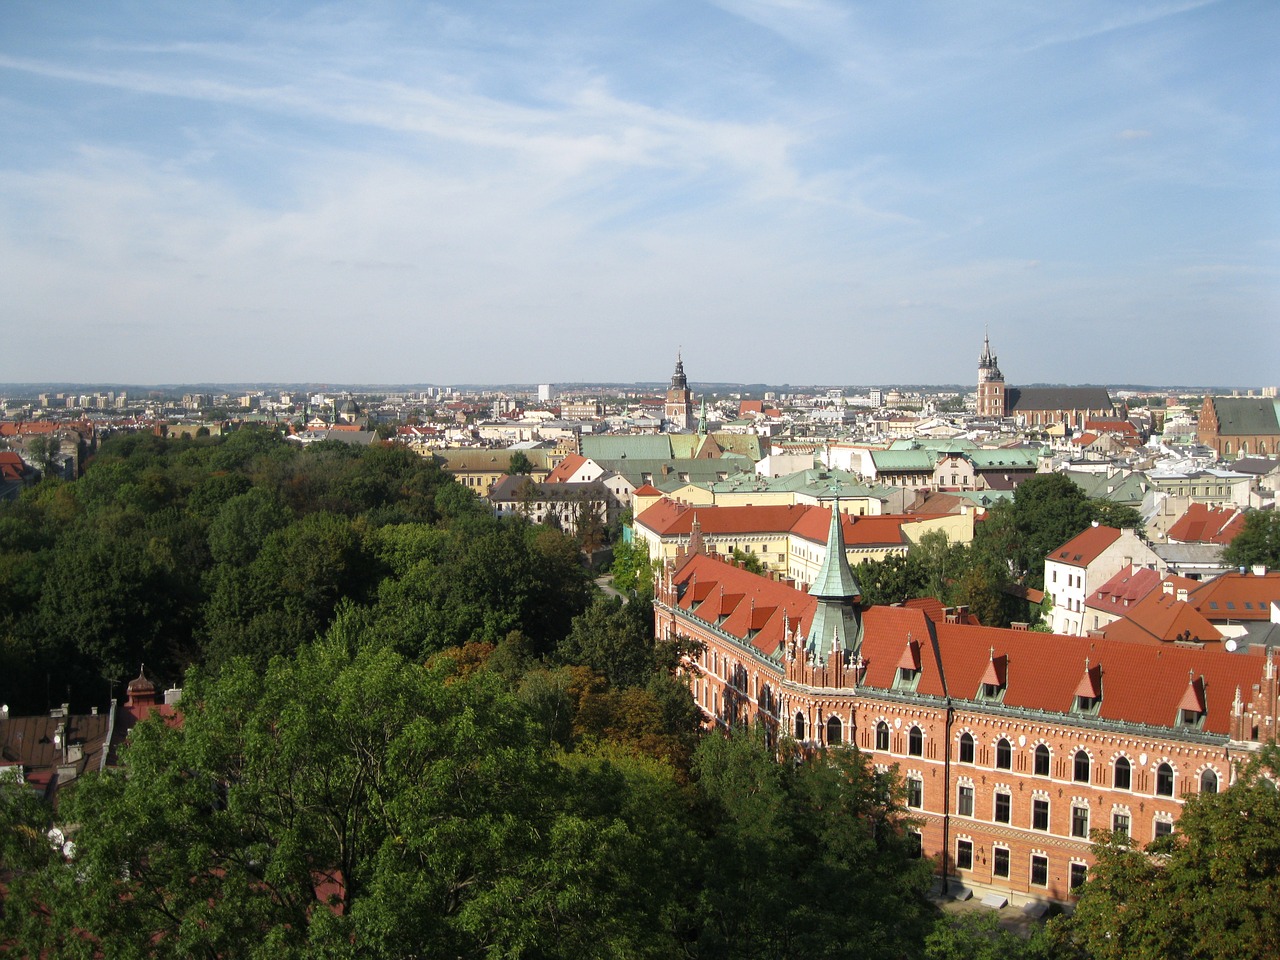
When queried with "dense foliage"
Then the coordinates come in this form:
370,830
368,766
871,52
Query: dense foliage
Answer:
1258,543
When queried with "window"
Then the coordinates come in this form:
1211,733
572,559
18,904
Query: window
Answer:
1164,780
915,742
1208,782
964,801
999,861
835,732
1039,870
1003,805
882,736
1163,828
907,679
1088,705
1039,814
1081,771
1004,754
1080,822
964,854
1042,761
915,844
915,792
799,726
1120,823
1079,874
1190,718
966,748
1124,774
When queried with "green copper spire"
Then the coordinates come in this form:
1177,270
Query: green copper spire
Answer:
837,623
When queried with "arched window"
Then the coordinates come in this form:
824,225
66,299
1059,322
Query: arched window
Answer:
1081,772
1208,782
882,736
799,725
1226,449
1124,774
966,748
1004,754
835,732
1164,780
1042,761
915,742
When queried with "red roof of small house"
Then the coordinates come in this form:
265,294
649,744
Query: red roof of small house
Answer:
1161,617
1082,549
668,518
647,490
1205,524
1237,596
1124,590
566,468
1122,427
11,466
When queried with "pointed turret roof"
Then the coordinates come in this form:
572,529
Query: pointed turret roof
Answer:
837,625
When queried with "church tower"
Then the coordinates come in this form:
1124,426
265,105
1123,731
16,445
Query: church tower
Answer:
991,400
679,407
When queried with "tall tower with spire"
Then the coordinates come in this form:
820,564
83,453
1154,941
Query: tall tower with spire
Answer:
678,410
837,619
991,398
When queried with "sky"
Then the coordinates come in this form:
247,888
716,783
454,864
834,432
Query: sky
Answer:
785,191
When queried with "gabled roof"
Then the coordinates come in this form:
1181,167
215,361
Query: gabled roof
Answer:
1237,596
566,468
1082,549
1124,590
1160,617
1054,399
668,518
1205,524
1246,416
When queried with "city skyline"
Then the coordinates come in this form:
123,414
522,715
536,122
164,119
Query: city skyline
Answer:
794,191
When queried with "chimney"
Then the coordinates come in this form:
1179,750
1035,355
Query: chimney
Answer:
1020,626
1259,569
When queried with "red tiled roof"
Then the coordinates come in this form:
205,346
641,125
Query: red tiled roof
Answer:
1237,596
566,468
647,490
1138,683
1082,549
1125,589
1205,524
1161,617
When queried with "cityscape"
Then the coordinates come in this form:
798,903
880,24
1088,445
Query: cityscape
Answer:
711,479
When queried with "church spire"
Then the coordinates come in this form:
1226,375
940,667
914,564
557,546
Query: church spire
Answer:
837,623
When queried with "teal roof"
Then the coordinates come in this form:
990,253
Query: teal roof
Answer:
940,444
669,474
1247,416
631,446
891,461
835,617
1019,458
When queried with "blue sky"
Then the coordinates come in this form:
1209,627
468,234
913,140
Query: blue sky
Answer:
791,191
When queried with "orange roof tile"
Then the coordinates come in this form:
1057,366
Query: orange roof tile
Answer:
1082,549
1237,596
1205,524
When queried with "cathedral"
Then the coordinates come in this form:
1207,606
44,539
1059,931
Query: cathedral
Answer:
1068,407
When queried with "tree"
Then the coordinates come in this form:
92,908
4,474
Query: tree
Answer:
808,857
1211,890
519,464
347,802
1046,511
1257,543
614,639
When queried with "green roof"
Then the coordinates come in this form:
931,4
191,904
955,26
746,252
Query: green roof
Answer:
891,461
631,446
1247,416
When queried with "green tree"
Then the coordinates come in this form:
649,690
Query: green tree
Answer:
519,464
632,569
613,638
1257,543
1211,890
809,857
1046,511
346,803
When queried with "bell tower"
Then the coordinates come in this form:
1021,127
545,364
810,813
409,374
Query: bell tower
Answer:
991,399
678,410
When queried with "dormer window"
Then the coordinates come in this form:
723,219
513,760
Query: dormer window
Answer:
992,686
907,677
1088,695
1192,707
1088,705
1190,718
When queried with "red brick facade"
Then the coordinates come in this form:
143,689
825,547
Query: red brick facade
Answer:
1014,744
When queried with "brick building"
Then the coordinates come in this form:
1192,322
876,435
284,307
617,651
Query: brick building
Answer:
1014,746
